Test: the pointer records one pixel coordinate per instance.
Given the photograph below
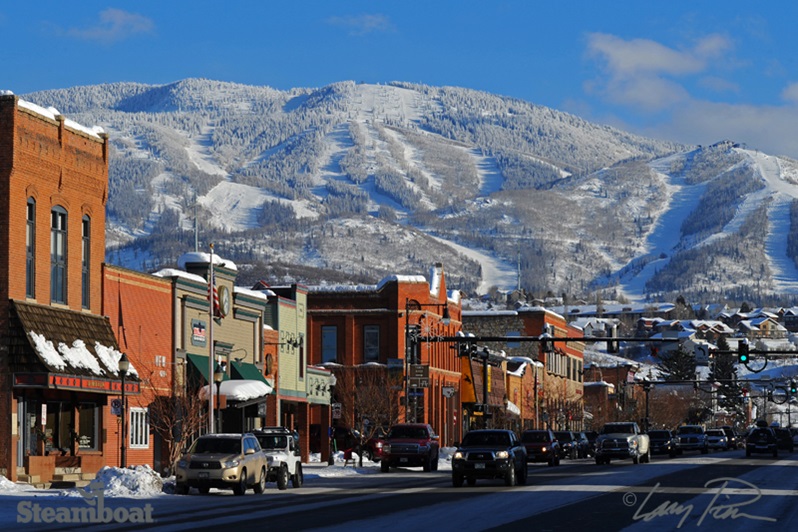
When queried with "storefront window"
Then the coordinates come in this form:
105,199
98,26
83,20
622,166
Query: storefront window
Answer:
88,426
58,429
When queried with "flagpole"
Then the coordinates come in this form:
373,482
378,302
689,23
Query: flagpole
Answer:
211,282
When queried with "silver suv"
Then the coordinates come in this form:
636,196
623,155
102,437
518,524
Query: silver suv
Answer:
226,461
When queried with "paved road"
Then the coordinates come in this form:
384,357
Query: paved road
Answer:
707,492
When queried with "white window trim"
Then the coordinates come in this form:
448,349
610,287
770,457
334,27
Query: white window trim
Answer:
139,431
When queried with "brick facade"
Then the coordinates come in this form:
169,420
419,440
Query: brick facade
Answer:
56,163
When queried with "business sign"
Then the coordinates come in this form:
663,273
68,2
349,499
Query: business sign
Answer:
419,371
198,336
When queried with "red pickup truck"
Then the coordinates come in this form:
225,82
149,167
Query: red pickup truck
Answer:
410,444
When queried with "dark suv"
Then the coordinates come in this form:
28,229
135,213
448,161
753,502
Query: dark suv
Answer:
761,440
410,444
541,446
489,453
568,444
661,442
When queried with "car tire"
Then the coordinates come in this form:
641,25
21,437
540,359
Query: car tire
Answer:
385,466
472,481
282,477
551,462
298,478
260,487
241,487
705,450
181,489
370,455
647,457
509,477
435,463
747,452
522,476
775,453
428,463
204,490
457,480
636,459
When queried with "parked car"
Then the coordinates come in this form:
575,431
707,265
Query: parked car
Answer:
568,444
592,436
374,445
661,442
410,444
716,439
784,439
794,432
541,446
732,439
225,461
761,440
489,453
281,446
691,438
582,445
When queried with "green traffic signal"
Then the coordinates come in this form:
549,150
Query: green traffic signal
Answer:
793,388
742,352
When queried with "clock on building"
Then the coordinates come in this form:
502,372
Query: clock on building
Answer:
224,300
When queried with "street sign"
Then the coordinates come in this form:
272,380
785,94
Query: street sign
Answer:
336,410
419,370
419,382
116,407
415,393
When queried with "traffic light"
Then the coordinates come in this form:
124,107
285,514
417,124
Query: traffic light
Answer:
742,352
793,387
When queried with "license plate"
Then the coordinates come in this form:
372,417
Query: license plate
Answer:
202,474
403,459
479,466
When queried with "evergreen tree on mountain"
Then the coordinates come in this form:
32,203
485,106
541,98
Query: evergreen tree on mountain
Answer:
678,364
722,369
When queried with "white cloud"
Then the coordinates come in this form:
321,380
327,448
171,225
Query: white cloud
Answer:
363,24
790,93
114,25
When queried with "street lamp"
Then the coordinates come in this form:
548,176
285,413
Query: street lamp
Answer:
124,366
218,376
647,389
412,335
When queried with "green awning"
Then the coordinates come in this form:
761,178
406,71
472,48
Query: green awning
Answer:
243,370
199,368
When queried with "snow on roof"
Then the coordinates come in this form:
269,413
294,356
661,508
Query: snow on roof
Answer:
78,356
240,389
204,258
52,113
260,294
172,272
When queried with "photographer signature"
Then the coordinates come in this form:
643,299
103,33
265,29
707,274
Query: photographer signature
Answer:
714,509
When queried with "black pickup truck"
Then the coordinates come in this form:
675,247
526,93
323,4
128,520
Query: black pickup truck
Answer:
489,453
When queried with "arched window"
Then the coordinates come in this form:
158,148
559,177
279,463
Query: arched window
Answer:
30,250
85,260
58,255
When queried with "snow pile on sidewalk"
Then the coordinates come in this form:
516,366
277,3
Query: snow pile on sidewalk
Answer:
138,481
6,486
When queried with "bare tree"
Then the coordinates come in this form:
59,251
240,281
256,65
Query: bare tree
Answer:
177,418
369,398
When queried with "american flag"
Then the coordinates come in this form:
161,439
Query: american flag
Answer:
217,309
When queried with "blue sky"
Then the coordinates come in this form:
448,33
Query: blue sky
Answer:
694,72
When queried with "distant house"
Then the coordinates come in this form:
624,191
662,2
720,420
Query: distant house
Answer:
764,327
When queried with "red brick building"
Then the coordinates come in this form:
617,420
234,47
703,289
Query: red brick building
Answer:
359,332
58,354
132,300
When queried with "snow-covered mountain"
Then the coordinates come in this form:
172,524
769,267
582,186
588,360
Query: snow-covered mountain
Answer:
351,182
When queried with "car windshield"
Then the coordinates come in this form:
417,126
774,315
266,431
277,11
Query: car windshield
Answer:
564,436
715,433
486,438
689,430
658,434
217,446
272,441
620,428
416,433
529,437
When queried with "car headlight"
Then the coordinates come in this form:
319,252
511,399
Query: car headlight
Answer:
386,448
502,454
458,455
543,449
231,463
